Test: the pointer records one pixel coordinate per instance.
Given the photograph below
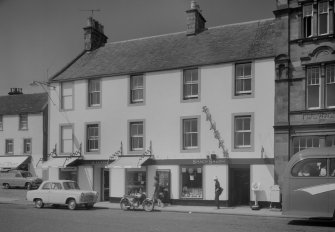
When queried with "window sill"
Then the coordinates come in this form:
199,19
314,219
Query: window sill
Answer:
243,149
313,39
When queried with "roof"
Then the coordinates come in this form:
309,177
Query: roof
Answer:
223,44
23,103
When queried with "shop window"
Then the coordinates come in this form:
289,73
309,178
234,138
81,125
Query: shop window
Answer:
301,143
310,168
23,121
135,182
9,146
190,84
66,139
27,146
69,173
67,96
243,79
323,17
191,183
308,20
136,89
92,138
190,130
94,93
330,141
136,136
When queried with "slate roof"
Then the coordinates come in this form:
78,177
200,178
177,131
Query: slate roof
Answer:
223,44
23,103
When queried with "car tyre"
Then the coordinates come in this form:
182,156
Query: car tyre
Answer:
39,203
72,205
88,206
28,186
6,186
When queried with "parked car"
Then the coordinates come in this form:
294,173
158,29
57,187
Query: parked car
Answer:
19,178
62,192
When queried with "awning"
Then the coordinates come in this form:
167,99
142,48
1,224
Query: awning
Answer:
60,162
128,162
12,162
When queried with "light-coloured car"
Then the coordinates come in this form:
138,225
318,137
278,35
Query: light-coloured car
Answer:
19,178
62,192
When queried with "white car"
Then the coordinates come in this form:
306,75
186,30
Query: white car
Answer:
62,192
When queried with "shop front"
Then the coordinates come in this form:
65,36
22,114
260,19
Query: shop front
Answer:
15,162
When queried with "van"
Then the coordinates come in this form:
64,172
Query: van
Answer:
19,178
309,184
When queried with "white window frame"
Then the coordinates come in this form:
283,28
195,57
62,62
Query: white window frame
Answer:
89,138
23,121
185,134
300,146
243,78
65,96
322,11
9,149
243,131
190,83
136,89
308,14
137,136
94,92
62,140
27,143
313,81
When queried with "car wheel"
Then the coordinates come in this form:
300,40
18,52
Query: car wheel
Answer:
6,186
124,204
39,203
28,186
72,204
88,206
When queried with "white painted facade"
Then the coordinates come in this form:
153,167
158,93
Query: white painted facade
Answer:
162,112
34,132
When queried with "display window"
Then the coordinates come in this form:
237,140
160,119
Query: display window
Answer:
69,173
135,182
191,182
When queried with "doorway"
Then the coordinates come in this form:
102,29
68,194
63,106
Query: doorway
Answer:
105,185
239,185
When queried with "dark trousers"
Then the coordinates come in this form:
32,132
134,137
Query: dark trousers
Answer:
217,203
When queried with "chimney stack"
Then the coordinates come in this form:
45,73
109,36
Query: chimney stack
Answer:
94,35
195,20
15,91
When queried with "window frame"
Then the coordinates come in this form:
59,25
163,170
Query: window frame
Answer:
190,98
251,77
87,149
90,92
183,147
326,84
7,151
62,96
319,84
319,17
25,142
23,122
132,88
250,148
61,140
131,149
1,122
310,17
300,148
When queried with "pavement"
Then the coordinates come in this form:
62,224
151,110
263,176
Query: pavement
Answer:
240,210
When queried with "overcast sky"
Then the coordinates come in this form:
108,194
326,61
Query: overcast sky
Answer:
39,37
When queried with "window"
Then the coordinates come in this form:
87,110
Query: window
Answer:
308,20
301,143
312,167
27,146
330,85
67,96
242,131
135,182
190,84
243,79
136,136
330,141
136,89
323,18
332,167
190,133
320,91
92,141
191,182
1,123
23,123
66,139
94,93
9,146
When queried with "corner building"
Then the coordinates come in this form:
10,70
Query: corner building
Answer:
186,106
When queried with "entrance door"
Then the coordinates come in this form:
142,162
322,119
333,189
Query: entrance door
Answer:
164,184
105,185
239,185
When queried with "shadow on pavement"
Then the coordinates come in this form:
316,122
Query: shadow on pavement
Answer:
320,222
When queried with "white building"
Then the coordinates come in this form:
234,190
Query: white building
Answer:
23,131
163,105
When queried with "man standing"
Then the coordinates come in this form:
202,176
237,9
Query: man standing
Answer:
218,191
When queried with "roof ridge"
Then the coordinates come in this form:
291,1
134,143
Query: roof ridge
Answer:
243,23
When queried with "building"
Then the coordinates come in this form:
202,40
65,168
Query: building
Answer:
305,84
185,106
23,131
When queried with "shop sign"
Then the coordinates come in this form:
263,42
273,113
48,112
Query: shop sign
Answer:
69,169
318,116
209,161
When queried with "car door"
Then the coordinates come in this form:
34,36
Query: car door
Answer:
56,194
44,192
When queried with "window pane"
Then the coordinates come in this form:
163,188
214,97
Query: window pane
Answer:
323,24
239,139
330,85
247,139
330,141
313,96
310,167
246,125
247,69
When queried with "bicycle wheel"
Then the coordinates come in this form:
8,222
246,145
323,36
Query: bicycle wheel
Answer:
148,205
124,204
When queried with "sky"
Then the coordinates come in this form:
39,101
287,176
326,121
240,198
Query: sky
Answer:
39,37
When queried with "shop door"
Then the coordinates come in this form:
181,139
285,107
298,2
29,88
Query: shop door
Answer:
239,185
105,185
164,185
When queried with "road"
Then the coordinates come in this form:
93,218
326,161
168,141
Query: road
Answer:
25,218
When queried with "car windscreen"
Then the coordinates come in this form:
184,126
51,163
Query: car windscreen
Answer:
70,185
26,174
